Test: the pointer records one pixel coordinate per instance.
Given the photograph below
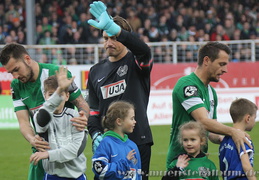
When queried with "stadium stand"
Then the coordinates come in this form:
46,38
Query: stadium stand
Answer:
64,22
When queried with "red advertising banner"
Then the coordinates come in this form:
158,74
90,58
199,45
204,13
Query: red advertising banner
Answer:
239,75
5,80
164,76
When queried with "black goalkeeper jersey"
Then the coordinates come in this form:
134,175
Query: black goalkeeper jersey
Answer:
127,79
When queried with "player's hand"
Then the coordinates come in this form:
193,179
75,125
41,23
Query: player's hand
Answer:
105,23
63,81
97,138
36,157
182,161
97,8
240,138
130,155
80,122
40,144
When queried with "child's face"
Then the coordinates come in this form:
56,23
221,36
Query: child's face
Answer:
65,96
251,122
129,122
191,142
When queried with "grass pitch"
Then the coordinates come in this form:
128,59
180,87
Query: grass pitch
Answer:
15,152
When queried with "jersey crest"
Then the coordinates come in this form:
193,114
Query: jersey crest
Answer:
113,89
122,70
190,91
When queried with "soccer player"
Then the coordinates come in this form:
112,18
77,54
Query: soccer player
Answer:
117,157
234,164
193,164
194,99
124,75
65,159
27,94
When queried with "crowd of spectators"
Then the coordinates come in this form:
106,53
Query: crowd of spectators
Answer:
65,21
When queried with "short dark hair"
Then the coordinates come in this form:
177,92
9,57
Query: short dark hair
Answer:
240,107
211,49
51,83
12,50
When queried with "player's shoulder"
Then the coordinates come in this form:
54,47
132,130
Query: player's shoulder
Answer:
99,64
186,80
51,67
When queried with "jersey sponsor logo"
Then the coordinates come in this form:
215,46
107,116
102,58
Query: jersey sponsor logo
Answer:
122,70
113,89
99,80
190,91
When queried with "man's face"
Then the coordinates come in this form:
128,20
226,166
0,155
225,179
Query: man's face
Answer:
20,70
218,67
113,47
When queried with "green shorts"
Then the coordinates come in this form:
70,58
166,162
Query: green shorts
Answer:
36,172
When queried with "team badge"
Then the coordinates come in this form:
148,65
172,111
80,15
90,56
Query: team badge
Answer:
190,91
98,166
122,70
204,172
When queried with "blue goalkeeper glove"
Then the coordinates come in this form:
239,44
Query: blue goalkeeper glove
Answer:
106,23
97,138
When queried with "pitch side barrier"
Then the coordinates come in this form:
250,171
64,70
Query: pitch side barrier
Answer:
163,52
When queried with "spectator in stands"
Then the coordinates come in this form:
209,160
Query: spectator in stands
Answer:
47,39
133,19
229,24
58,58
45,24
246,31
2,15
231,15
162,26
2,36
219,31
21,39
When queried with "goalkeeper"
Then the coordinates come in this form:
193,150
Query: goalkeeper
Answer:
123,75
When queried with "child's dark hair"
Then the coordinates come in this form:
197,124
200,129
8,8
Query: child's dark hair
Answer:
193,125
117,109
51,83
240,107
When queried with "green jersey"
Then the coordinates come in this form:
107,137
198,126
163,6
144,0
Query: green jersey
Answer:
29,96
199,168
189,94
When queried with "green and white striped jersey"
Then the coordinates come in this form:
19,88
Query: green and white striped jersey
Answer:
189,94
29,96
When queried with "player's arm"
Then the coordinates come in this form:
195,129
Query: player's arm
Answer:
139,48
215,138
77,99
211,125
28,132
81,121
247,167
94,123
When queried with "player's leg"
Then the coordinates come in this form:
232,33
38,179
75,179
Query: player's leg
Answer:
145,154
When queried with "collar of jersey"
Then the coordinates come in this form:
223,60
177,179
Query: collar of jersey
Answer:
116,135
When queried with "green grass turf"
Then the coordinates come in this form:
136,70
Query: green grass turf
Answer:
15,153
